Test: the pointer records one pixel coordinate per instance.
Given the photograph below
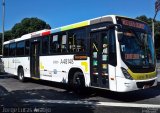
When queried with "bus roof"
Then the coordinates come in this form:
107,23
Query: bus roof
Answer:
107,18
27,36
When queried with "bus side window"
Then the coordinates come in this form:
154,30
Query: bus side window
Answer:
77,41
81,40
54,45
12,49
27,47
71,42
45,45
64,43
5,51
20,48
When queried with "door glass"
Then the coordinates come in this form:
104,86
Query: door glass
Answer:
99,59
105,45
95,62
35,51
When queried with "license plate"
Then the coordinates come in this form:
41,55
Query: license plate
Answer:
146,86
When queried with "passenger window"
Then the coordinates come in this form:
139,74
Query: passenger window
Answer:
12,49
64,43
5,50
54,44
58,43
20,48
77,41
45,45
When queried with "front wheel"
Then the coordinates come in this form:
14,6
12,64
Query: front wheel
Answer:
21,75
79,82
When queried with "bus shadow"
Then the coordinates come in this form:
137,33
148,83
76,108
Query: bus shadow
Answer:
46,98
56,92
123,97
50,84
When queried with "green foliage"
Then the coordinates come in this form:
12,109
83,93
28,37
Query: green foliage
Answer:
145,19
8,35
28,25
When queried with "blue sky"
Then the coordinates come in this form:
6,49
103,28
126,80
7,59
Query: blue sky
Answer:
63,12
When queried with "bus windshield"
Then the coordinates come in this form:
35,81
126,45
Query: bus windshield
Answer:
137,48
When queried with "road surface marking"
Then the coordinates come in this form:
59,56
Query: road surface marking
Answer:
111,104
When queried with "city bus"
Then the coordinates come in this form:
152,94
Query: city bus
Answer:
111,52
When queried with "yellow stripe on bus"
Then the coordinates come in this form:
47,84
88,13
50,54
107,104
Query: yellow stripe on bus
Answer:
142,76
73,26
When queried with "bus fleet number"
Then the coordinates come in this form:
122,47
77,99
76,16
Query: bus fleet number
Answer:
67,61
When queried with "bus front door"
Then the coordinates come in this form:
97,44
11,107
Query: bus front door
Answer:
34,61
99,59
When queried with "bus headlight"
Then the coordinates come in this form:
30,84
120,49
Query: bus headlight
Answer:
126,74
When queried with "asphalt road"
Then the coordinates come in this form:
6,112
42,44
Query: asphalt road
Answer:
48,97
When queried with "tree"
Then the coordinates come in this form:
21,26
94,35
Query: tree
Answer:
145,19
7,35
28,25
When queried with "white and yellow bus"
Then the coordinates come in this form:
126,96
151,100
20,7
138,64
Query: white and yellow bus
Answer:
109,52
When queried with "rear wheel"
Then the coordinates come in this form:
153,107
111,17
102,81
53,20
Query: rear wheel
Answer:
21,75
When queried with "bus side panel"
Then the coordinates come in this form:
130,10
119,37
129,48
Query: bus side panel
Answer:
56,68
11,66
112,78
5,62
25,63
50,69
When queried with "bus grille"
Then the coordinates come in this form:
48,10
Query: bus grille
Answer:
142,84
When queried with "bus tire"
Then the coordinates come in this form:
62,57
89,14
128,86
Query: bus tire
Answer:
79,83
21,75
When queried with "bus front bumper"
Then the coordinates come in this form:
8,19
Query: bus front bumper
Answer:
125,85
